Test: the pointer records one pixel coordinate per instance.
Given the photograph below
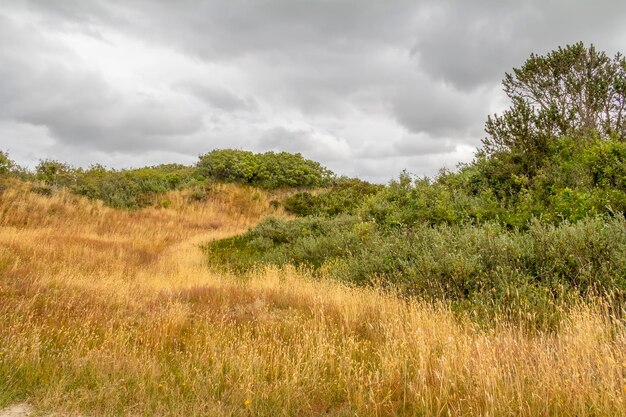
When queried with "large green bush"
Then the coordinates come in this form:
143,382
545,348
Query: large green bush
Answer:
343,197
308,242
266,170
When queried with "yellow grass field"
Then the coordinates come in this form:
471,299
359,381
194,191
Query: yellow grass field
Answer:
114,313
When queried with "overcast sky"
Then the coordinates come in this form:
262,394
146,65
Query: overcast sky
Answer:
368,88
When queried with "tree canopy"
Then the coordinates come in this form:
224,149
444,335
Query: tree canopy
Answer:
570,91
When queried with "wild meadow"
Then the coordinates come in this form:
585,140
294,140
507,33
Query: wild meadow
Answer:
109,312
264,285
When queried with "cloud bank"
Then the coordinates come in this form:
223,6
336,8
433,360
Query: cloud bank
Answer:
368,88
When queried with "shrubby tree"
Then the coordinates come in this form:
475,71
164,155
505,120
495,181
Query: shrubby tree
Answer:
556,152
229,165
55,173
8,168
575,90
6,164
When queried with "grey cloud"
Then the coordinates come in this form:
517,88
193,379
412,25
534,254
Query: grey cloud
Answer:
280,138
227,29
409,145
385,169
420,145
366,87
438,110
219,97
311,144
99,118
469,44
77,105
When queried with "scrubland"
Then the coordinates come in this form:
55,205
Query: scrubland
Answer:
109,312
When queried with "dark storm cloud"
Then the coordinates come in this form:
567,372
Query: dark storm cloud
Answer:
228,29
469,44
364,86
439,110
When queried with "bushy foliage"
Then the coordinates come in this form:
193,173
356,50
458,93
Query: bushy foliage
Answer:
266,170
56,174
6,164
136,188
409,201
576,178
8,168
343,197
309,241
125,189
484,270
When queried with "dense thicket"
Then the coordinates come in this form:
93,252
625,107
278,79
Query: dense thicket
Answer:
576,178
344,196
484,270
268,170
127,188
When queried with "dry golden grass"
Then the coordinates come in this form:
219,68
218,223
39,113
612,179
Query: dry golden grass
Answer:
106,312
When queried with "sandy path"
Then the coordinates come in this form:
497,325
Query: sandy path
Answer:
19,410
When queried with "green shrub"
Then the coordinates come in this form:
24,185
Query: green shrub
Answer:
606,161
55,174
136,188
344,197
6,164
306,242
267,170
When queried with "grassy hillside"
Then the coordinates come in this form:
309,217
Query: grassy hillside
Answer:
115,312
263,285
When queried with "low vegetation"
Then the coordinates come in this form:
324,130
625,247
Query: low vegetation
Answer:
344,196
114,312
483,271
143,187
